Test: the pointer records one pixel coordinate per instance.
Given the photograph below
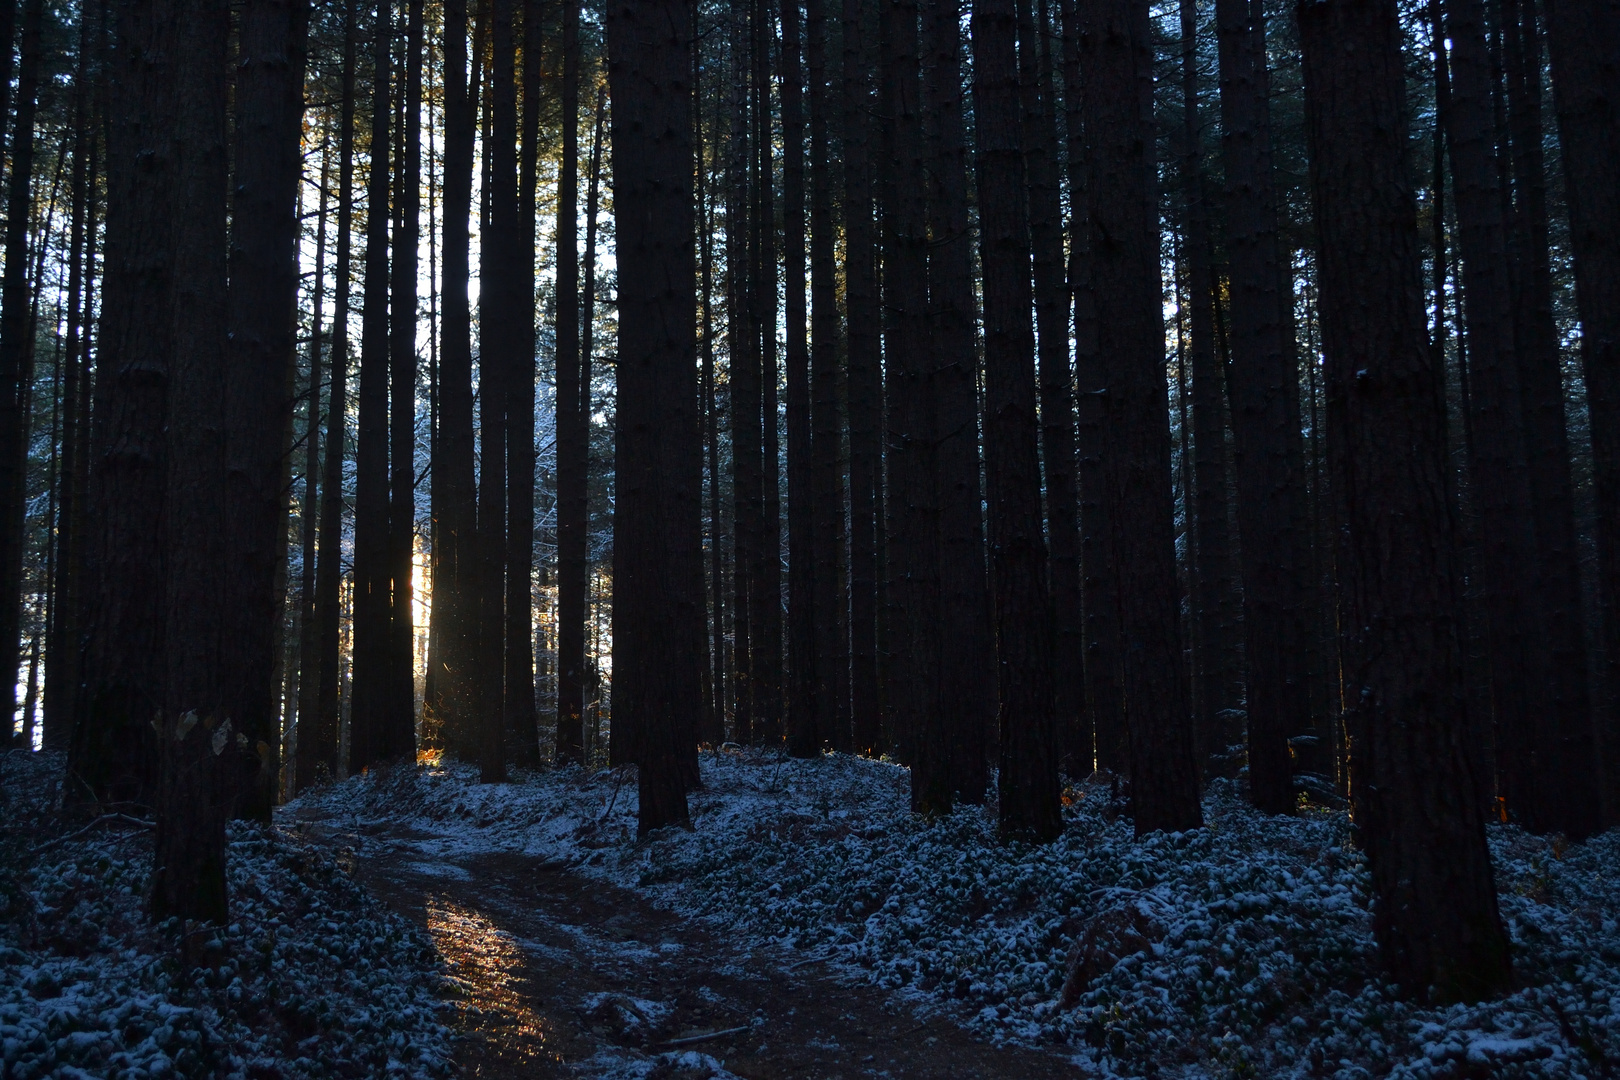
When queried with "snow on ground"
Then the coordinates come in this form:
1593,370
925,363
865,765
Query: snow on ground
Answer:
1241,949
311,978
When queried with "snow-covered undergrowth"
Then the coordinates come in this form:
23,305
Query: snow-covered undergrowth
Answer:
311,978
1240,949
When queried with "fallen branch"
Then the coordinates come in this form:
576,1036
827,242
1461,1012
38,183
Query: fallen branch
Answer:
47,845
694,1039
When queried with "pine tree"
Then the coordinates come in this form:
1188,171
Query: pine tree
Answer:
1435,916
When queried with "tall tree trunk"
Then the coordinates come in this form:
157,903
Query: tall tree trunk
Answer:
498,320
15,327
967,694
1583,39
261,358
573,432
1216,664
522,719
1263,381
1125,266
1499,480
715,716
401,717
826,423
743,343
865,385
324,760
766,596
804,736
63,637
913,643
205,583
1106,741
1056,379
308,648
369,721
1573,774
113,751
1029,786
657,536
1435,915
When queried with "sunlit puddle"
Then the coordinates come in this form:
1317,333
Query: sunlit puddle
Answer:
487,966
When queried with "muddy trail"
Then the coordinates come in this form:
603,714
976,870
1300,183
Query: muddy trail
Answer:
559,975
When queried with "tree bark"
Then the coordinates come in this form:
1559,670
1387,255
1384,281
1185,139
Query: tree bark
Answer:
766,592
1124,256
369,722
325,760
522,718
967,694
200,728
804,736
1265,417
865,385
1582,40
261,357
1028,785
572,430
1499,480
1056,379
1574,805
657,536
1106,740
303,765
1435,917
401,716
16,302
826,422
1217,675
921,738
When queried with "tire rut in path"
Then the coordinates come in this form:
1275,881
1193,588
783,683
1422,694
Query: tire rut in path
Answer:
565,976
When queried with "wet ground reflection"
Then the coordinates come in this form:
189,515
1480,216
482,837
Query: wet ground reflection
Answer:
487,967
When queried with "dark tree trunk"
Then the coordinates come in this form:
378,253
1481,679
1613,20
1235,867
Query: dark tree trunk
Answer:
573,431
1029,786
715,714
401,715
766,593
1105,741
113,754
303,766
657,536
1435,914
323,760
369,722
1056,379
1499,481
204,585
865,385
1573,774
260,354
826,423
804,736
1124,256
743,343
63,637
1265,416
1583,39
499,301
912,544
1217,685
967,693
522,719
16,302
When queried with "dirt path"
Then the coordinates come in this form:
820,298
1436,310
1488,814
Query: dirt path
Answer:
563,976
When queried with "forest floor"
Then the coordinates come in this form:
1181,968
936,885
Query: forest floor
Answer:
810,926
